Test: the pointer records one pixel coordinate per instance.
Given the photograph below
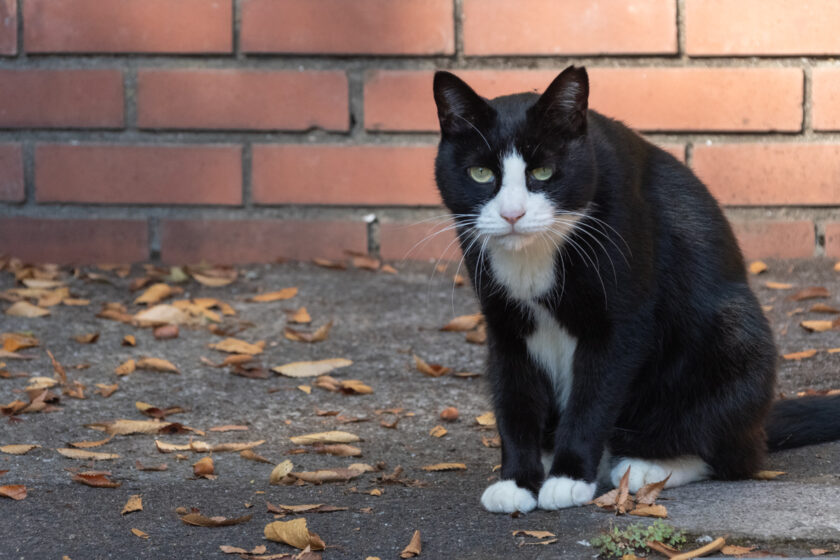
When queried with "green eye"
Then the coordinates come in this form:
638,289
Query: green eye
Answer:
542,173
480,174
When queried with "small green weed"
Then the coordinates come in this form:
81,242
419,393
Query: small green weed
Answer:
633,538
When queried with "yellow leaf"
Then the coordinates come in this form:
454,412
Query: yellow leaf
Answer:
305,388
318,336
164,447
89,444
26,309
139,533
157,293
124,427
236,346
86,455
655,510
486,419
285,293
126,367
294,533
301,316
817,325
204,468
757,267
134,503
325,437
463,323
414,547
438,431
280,472
778,285
18,449
157,364
432,370
162,314
311,369
445,467
215,278
768,475
800,355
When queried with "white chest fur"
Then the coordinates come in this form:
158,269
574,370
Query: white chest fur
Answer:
526,275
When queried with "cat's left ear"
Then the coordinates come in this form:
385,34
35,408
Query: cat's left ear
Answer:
566,101
459,108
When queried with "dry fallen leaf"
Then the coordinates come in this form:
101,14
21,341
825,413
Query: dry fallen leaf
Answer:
236,346
90,444
734,550
129,366
706,550
200,520
655,510
304,508
156,468
97,479
445,467
134,503
414,547
800,355
365,262
486,419
26,309
463,323
311,369
326,263
71,453
162,314
648,493
285,293
325,437
129,340
13,491
338,450
12,342
819,551
215,277
318,336
294,533
438,431
88,338
757,267
156,364
124,427
432,370
778,285
331,475
204,468
535,534
810,293
251,456
768,475
280,472
18,449
139,533
157,293
301,316
819,325
166,332
823,308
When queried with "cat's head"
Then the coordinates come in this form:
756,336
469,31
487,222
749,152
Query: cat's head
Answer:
518,168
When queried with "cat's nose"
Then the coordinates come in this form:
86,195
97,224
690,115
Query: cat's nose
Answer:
512,216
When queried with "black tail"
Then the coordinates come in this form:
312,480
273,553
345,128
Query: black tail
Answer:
803,421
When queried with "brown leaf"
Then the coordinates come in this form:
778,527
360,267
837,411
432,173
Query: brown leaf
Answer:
71,453
326,263
154,412
229,428
156,468
768,475
216,277
800,355
134,503
445,467
710,548
251,456
478,336
325,437
365,262
18,449
318,336
200,520
623,501
157,364
12,342
139,533
493,442
463,323
757,267
236,346
819,551
123,427
388,269
129,340
285,293
204,468
327,475
662,548
60,374
129,366
438,431
778,285
338,450
311,369
294,533
26,309
166,332
88,338
607,500
810,293
535,534
162,314
305,508
157,293
733,550
13,491
823,308
648,493
280,472
655,510
414,547
354,387
202,447
97,479
819,325
432,370
486,419
301,316
90,444
106,390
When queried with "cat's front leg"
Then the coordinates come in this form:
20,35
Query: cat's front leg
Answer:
521,408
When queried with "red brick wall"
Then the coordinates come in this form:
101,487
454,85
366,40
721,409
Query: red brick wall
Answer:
246,130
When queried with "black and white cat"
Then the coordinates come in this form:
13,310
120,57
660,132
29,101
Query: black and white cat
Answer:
621,328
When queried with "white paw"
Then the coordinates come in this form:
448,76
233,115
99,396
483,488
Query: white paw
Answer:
641,472
506,497
562,492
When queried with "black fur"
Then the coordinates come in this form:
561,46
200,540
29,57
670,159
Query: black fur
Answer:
674,355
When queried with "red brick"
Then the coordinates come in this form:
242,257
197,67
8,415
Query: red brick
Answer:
8,27
826,99
725,99
142,26
762,27
11,173
419,241
342,27
258,241
785,240
110,174
832,240
502,27
75,241
61,99
770,174
242,99
344,175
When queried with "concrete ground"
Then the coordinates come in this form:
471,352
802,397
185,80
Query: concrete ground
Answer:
379,321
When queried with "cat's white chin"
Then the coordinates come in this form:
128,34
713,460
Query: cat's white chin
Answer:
515,241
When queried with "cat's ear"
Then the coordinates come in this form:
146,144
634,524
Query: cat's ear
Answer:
565,102
459,107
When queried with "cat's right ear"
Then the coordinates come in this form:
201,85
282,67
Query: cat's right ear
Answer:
459,107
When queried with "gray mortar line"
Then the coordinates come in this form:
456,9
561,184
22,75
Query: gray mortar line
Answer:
819,237
237,29
154,238
681,53
28,151
807,100
458,26
247,158
20,52
356,102
130,97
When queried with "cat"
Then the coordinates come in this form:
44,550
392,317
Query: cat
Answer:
621,330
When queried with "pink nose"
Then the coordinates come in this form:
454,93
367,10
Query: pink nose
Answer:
512,216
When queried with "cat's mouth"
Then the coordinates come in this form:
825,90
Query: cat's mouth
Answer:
515,240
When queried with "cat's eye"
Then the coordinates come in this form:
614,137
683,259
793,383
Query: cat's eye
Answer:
542,173
480,174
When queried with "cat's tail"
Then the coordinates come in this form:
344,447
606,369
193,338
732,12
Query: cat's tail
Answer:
803,421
